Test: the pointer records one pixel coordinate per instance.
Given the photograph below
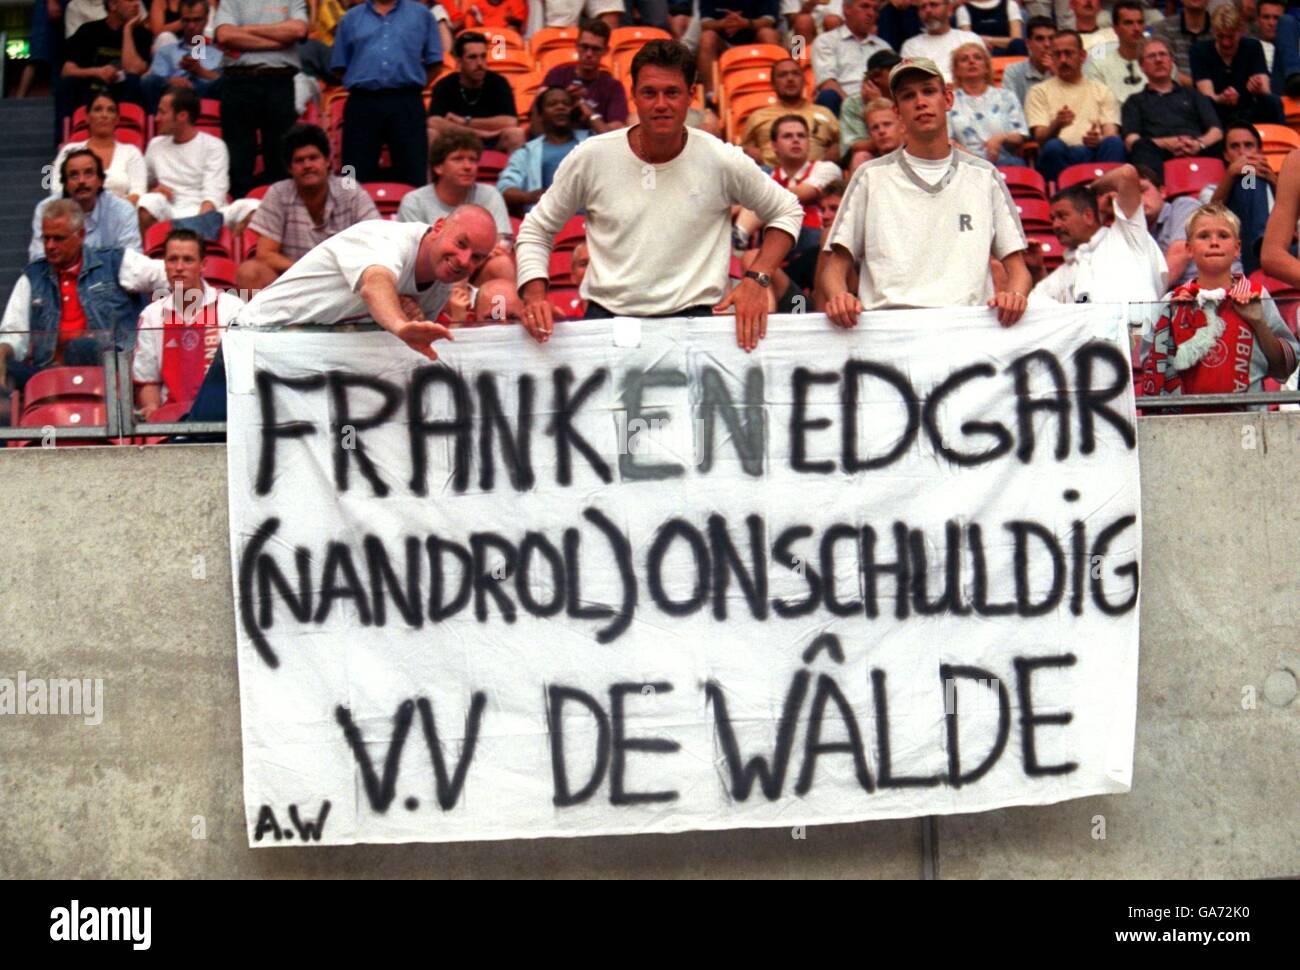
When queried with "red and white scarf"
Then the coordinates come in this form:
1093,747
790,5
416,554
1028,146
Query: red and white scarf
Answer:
1201,345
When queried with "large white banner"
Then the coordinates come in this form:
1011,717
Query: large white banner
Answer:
636,580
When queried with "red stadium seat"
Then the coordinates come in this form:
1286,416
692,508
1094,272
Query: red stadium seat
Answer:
515,223
1053,251
76,384
1084,172
1187,176
1035,215
1286,296
248,245
65,415
573,233
387,196
156,236
490,164
567,301
257,192
561,268
1024,182
219,272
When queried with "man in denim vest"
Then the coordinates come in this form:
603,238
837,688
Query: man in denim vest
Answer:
73,303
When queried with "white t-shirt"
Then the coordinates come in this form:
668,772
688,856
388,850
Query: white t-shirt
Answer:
126,176
925,245
1121,263
931,169
196,172
322,286
659,235
939,48
147,365
963,15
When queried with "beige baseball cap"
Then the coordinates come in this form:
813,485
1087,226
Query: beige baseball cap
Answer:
921,65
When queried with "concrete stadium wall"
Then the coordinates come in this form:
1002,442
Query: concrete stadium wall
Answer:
101,578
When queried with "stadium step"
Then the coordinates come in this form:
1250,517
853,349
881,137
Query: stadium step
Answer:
25,127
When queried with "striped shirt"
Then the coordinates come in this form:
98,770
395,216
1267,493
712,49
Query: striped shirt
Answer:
283,216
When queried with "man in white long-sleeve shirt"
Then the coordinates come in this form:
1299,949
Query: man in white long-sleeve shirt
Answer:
658,201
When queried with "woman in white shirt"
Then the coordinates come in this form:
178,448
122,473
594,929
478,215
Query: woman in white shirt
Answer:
124,169
987,121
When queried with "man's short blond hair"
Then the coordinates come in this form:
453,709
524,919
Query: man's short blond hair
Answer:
877,104
979,49
1214,210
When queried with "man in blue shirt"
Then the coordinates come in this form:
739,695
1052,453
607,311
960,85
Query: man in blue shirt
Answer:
726,23
191,62
109,222
385,51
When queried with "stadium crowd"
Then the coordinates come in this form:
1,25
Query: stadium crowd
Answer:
240,162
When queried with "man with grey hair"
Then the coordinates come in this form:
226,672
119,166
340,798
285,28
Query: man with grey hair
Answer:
74,302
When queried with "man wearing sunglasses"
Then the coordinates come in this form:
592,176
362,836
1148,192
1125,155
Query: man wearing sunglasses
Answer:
1165,119
1120,70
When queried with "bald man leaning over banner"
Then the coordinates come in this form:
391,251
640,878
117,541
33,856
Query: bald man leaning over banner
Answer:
397,273
658,199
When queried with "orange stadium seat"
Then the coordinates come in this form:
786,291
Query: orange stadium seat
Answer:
552,38
1000,64
502,37
740,108
1187,176
1292,108
633,38
490,164
1024,182
571,234
526,87
751,55
622,62
1084,172
1279,142
219,271
387,196
512,61
1035,215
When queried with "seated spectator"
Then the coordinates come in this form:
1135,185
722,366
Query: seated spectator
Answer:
567,13
385,52
1165,119
599,101
854,135
1180,31
998,23
1087,22
305,209
985,120
1018,78
1230,70
192,61
111,54
1184,354
124,170
164,20
1167,222
486,14
581,260
788,83
475,99
188,171
453,174
1119,69
1119,263
940,38
1073,119
739,22
497,300
531,169
179,333
807,179
809,18
1283,34
72,302
897,22
1248,189
1263,25
109,222
839,57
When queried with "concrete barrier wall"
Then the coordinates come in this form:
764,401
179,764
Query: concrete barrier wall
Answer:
116,564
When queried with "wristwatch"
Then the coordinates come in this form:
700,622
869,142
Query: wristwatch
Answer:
762,279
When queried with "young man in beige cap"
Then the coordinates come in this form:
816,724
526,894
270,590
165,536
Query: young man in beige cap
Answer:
929,207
